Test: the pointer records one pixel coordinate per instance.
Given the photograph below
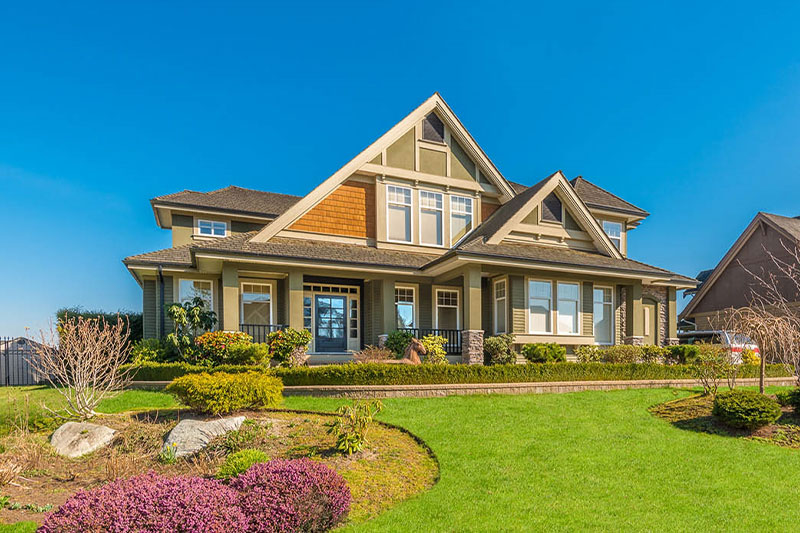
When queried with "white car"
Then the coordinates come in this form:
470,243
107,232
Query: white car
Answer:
735,342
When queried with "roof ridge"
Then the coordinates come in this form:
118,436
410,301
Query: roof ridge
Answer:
581,178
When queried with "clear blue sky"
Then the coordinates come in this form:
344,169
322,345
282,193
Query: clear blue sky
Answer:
690,111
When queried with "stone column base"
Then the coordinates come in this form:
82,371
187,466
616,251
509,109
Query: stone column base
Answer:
382,340
634,340
472,347
673,342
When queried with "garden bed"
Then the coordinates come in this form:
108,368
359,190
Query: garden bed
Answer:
694,414
392,467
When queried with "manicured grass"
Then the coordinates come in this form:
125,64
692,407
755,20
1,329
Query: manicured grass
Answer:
19,527
584,461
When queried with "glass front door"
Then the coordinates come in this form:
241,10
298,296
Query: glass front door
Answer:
331,322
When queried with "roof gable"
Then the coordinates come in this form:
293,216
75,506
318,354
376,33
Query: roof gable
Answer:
230,199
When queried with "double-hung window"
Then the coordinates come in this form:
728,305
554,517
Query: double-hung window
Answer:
447,314
404,303
211,228
500,308
460,217
614,232
567,309
256,303
540,304
189,289
431,215
603,309
398,218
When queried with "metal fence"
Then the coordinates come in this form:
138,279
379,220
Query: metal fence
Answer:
15,362
259,332
453,336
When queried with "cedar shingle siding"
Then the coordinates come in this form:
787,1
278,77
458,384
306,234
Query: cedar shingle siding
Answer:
347,211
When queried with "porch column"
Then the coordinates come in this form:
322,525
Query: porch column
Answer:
634,315
295,290
387,299
230,298
672,316
472,332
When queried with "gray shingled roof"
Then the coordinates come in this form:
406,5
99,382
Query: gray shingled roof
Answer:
232,199
594,196
790,225
178,256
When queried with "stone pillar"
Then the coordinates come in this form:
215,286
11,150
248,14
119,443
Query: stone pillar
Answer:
472,346
295,285
634,315
472,299
230,298
389,312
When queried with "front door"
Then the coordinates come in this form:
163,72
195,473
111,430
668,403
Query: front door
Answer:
650,309
331,322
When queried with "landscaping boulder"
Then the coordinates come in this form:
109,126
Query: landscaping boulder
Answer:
191,435
75,439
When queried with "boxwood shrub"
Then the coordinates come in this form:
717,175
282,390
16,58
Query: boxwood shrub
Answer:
220,392
542,352
239,462
789,397
745,409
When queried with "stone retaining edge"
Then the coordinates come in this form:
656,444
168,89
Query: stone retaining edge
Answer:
450,389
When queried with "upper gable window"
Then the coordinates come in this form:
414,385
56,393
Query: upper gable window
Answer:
398,218
460,217
211,228
552,210
614,232
433,128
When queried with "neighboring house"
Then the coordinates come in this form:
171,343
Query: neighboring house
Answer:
731,283
420,231
16,355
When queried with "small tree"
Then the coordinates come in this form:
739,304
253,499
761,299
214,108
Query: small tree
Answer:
710,367
189,320
82,359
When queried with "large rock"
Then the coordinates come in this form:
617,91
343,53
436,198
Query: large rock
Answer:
74,439
191,435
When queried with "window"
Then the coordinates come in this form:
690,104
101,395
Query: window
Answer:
500,308
460,217
433,128
307,312
399,213
211,228
540,297
189,289
567,309
353,318
404,303
603,313
256,303
430,218
614,232
447,315
551,209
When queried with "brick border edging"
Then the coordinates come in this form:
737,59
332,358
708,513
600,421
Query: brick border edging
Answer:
452,389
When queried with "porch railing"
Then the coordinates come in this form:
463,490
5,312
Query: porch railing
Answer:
259,332
453,336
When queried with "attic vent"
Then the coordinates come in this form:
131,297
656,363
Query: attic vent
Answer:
433,128
551,208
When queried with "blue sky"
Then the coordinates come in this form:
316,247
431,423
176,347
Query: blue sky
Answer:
690,111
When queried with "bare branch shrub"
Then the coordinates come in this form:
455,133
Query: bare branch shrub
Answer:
710,367
82,359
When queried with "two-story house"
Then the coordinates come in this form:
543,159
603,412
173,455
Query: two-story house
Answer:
419,231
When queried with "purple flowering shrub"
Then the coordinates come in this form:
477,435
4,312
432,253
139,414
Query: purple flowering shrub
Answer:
284,496
150,503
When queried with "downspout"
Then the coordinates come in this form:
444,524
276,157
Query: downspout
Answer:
161,301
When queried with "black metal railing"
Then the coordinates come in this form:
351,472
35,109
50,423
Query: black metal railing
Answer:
453,336
15,362
259,332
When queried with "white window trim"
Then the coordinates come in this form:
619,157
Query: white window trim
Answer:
415,304
271,300
579,316
410,206
212,222
454,212
436,306
495,301
613,317
621,231
177,296
528,302
419,218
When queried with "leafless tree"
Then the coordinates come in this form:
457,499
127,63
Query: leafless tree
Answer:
82,359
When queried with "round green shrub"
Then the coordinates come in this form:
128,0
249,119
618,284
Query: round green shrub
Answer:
397,341
498,350
221,392
545,353
745,409
682,354
789,398
238,462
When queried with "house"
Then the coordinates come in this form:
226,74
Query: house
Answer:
16,356
731,283
418,231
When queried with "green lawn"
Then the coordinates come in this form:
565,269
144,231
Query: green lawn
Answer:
581,461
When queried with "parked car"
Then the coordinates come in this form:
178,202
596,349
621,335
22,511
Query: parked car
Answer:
736,342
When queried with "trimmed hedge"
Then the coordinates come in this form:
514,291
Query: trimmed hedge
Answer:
221,393
385,374
746,409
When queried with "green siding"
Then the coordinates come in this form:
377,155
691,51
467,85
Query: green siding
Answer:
432,162
377,160
182,221
280,302
168,300
570,223
518,305
373,312
425,306
401,153
487,301
238,226
588,308
149,306
461,166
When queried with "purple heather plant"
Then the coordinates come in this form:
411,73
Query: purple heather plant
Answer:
150,503
283,496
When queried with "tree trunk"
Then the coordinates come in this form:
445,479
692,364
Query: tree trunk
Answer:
761,371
